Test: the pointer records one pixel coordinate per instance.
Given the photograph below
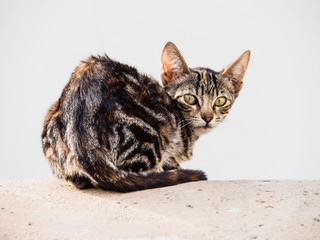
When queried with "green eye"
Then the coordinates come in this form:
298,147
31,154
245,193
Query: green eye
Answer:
220,101
190,99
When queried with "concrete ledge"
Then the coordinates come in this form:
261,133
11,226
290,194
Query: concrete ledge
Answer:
201,210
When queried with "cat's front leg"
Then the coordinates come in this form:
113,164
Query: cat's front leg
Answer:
170,164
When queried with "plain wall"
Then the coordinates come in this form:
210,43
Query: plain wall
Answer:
273,130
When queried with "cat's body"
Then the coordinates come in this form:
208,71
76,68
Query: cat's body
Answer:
121,130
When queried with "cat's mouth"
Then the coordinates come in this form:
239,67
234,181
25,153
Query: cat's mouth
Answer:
206,126
203,129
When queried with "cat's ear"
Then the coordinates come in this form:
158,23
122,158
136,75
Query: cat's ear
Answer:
236,70
173,65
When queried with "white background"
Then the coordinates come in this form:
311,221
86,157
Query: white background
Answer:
273,130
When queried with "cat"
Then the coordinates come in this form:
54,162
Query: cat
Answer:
120,130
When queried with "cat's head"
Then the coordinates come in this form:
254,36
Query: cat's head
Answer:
204,96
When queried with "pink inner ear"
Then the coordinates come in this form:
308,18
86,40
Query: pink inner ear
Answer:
167,69
237,70
173,64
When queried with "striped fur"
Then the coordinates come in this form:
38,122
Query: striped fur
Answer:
117,129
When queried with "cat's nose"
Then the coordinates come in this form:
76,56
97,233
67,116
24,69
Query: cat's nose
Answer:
207,118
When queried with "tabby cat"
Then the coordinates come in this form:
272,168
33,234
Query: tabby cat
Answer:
120,130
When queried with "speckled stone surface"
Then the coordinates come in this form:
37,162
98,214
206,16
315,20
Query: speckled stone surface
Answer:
202,210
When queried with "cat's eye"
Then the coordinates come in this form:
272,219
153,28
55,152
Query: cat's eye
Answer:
190,99
220,101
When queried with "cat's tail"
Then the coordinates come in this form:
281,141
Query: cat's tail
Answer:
108,177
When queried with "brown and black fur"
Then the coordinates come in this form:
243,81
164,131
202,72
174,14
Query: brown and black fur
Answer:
120,130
